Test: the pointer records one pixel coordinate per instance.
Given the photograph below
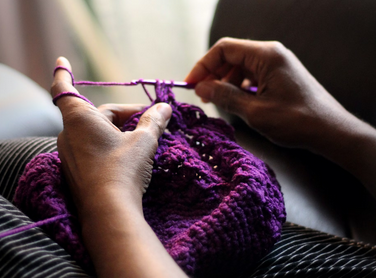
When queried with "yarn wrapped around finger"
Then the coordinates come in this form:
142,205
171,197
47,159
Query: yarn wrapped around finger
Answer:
215,207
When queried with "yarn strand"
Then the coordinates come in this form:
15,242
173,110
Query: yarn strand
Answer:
32,225
132,83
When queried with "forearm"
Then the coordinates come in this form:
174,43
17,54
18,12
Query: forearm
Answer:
352,145
121,243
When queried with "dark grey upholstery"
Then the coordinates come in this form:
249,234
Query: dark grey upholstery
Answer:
336,41
25,108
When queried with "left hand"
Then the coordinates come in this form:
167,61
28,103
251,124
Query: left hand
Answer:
96,156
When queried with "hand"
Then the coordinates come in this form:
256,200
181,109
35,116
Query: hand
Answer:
108,171
95,154
290,107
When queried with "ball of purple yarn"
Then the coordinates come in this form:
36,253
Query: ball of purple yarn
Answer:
215,207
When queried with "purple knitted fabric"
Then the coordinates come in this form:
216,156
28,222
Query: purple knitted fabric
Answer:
215,207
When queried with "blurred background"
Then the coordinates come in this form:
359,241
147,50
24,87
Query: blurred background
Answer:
107,40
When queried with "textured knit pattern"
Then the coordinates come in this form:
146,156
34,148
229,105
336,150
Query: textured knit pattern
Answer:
214,206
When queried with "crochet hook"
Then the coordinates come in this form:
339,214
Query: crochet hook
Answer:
180,84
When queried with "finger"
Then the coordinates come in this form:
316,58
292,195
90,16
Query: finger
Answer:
221,72
232,51
118,114
235,76
63,83
225,95
62,79
155,119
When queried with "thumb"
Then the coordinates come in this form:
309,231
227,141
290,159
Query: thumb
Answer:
225,95
155,119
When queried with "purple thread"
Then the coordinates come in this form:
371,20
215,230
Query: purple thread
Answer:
32,225
136,82
63,94
141,81
145,90
214,206
66,69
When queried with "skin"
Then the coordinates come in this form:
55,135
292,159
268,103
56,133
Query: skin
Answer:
95,154
290,107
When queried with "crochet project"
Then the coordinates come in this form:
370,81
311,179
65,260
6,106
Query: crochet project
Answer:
215,207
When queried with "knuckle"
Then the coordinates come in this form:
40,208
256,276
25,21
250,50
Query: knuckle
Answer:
224,42
277,47
277,51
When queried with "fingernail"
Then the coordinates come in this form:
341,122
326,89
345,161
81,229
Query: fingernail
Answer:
205,91
165,110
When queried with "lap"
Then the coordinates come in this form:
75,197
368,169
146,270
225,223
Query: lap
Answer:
30,253
302,252
14,155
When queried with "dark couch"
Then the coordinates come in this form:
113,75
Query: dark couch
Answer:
25,108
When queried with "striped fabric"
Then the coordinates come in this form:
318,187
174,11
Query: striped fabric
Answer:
30,253
304,252
301,252
14,155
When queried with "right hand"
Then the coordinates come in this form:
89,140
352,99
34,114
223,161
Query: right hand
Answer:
290,107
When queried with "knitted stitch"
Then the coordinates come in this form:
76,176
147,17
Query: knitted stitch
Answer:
214,206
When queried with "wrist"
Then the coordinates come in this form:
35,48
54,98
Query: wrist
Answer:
107,200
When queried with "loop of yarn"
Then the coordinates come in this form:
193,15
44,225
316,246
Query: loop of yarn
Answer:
66,69
214,206
73,94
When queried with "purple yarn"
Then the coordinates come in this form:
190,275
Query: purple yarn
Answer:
33,225
63,94
215,207
41,194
